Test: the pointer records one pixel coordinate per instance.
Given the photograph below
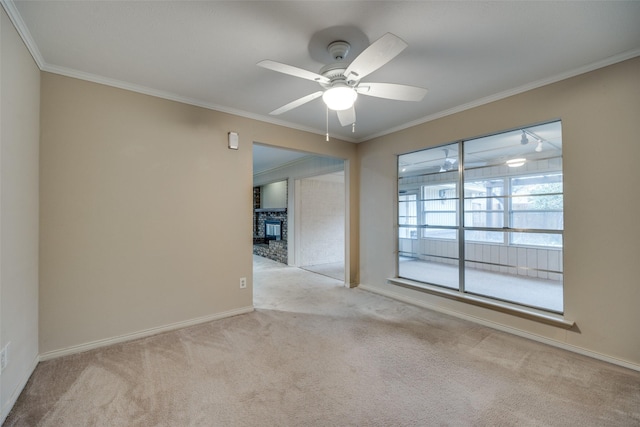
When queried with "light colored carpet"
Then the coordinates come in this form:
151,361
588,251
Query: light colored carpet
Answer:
335,270
317,354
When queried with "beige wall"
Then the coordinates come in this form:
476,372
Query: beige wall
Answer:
599,112
145,212
19,137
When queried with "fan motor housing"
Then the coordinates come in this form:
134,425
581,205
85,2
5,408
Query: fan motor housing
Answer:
335,73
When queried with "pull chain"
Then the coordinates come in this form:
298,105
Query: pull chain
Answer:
327,136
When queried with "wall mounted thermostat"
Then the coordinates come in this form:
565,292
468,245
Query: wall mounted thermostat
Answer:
233,140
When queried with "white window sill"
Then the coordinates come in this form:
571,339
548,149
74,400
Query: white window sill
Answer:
503,307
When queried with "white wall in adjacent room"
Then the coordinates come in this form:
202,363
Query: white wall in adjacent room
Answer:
321,205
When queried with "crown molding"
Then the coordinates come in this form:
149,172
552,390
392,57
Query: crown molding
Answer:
14,15
17,21
505,94
81,75
10,7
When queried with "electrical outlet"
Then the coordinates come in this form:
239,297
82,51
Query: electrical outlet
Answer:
4,357
243,282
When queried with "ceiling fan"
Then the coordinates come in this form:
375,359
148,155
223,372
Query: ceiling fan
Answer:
341,81
449,163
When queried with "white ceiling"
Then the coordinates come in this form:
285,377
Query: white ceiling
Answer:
266,158
205,53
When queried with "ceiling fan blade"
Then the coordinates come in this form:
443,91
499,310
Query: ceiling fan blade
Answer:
392,91
296,103
375,56
292,71
347,117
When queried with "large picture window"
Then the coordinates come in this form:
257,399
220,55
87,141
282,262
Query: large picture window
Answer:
485,216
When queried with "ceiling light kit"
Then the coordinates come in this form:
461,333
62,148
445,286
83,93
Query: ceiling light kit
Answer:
339,97
516,163
341,81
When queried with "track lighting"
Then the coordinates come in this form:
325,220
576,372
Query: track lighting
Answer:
525,139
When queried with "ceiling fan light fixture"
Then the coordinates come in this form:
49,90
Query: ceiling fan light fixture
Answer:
516,163
340,97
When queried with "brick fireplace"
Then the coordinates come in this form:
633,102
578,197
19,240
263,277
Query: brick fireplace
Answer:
270,231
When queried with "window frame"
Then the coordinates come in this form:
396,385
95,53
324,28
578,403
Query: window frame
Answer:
507,213
407,226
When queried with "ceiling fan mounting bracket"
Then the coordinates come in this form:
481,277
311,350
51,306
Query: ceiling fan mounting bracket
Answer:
338,50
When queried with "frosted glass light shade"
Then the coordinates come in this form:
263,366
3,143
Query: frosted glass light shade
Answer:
339,98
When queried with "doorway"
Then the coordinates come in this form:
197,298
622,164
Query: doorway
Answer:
315,216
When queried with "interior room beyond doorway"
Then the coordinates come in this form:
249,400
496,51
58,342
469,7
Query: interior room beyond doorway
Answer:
299,210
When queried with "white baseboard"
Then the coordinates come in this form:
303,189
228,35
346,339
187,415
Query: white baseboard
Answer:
141,334
16,392
501,327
